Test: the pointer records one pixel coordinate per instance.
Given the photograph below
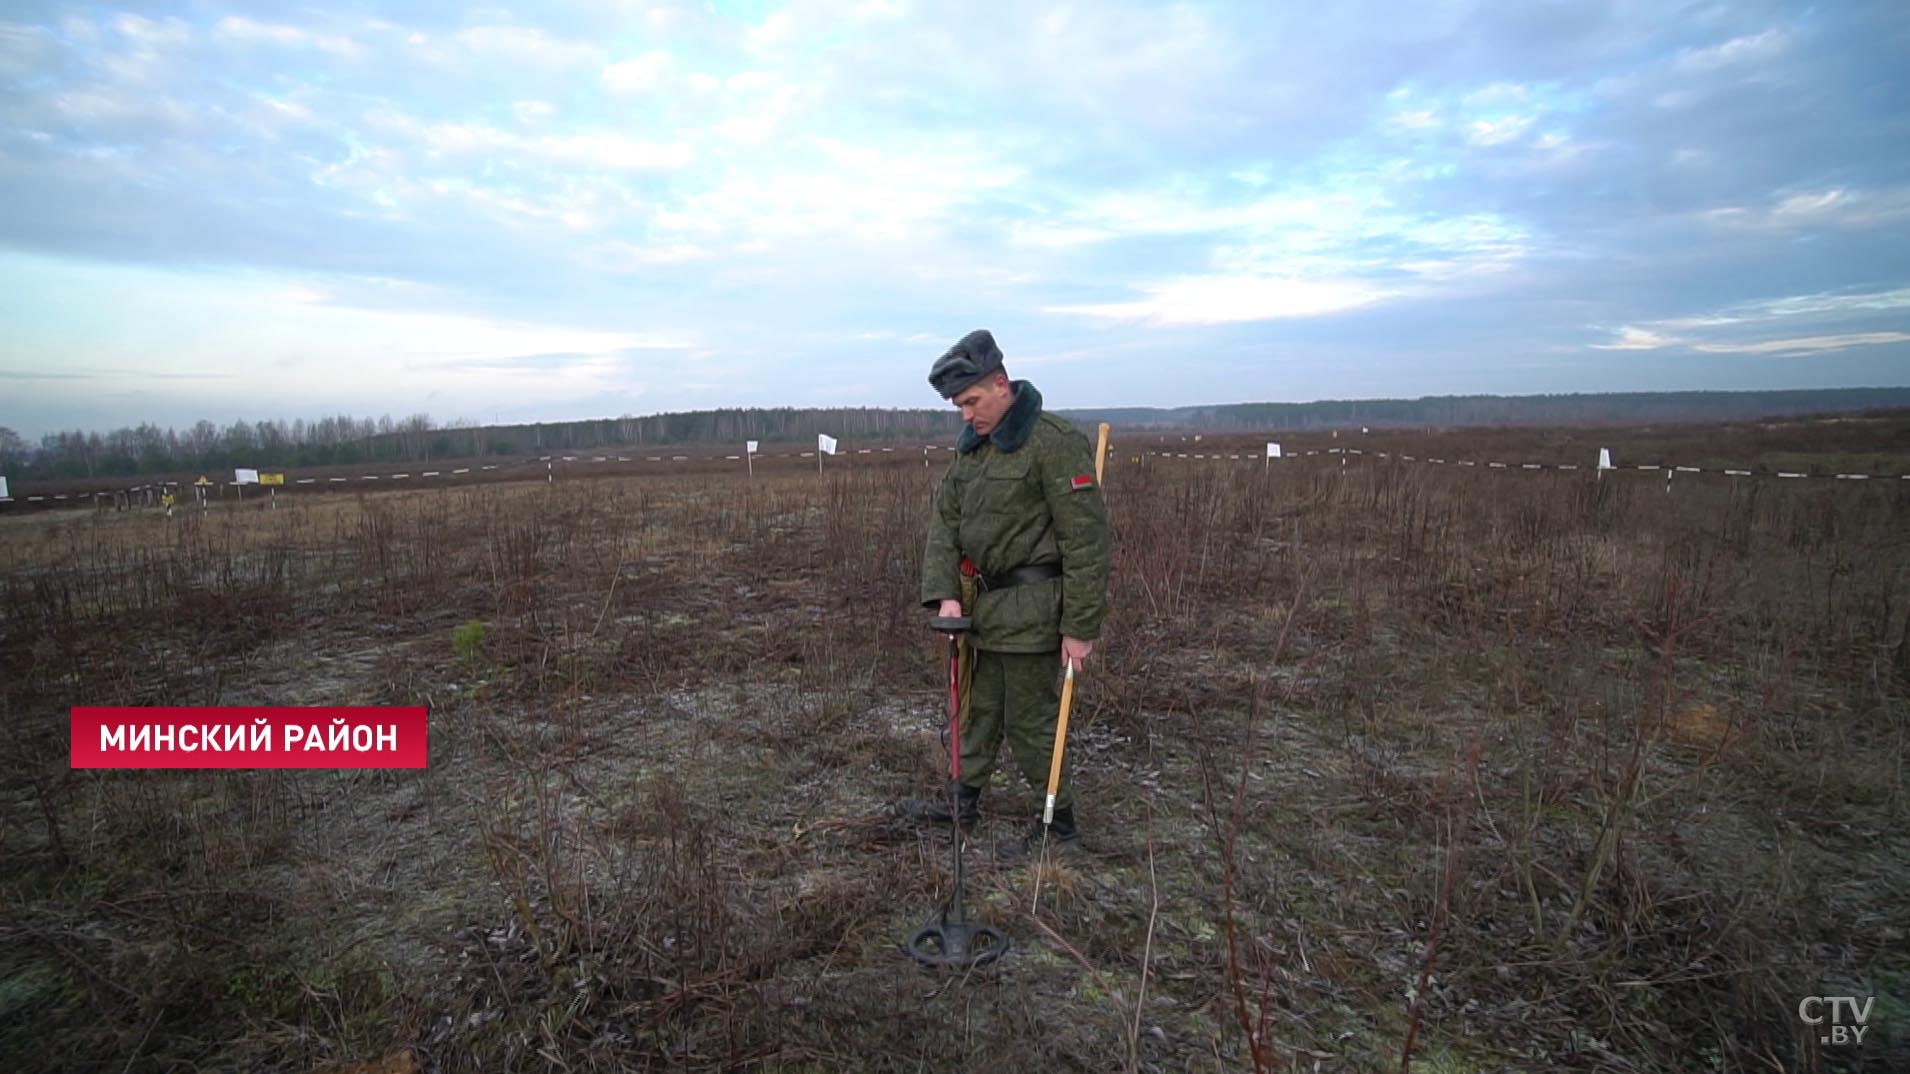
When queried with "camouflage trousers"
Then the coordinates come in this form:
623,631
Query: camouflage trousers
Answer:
1016,696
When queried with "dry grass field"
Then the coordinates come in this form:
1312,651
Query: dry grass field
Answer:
1551,772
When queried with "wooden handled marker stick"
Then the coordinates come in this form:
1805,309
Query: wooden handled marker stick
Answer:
1060,740
1067,683
1067,702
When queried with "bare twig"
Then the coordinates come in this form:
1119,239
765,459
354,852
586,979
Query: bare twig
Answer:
1147,948
1442,910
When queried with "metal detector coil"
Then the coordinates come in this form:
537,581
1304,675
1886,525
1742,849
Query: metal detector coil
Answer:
951,943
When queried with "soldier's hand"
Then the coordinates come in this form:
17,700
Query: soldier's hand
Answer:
1075,651
951,609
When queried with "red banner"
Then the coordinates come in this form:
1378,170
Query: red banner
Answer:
250,737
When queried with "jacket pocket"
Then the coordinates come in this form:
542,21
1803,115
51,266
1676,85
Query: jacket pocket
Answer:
1022,618
1003,485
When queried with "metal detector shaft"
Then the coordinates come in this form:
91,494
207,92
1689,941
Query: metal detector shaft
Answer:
954,715
955,763
951,940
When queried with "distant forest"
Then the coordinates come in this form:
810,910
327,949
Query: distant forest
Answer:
344,441
1455,411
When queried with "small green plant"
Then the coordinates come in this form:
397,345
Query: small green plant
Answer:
467,639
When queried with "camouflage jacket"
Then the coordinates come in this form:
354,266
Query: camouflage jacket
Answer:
1024,495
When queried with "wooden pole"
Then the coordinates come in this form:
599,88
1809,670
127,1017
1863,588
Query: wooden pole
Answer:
1060,737
1067,696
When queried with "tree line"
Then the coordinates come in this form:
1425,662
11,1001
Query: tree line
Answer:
344,441
1459,411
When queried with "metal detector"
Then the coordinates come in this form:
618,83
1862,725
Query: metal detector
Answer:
951,940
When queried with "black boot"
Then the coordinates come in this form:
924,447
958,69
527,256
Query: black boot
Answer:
935,810
1063,835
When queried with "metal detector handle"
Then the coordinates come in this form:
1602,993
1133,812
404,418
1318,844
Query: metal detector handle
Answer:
952,627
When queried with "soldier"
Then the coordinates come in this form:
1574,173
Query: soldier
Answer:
1018,537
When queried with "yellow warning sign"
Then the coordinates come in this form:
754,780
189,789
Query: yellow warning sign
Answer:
203,480
271,479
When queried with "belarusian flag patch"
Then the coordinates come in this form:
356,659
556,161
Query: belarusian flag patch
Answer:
1084,481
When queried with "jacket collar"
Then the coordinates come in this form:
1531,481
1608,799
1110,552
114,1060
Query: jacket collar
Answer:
1015,427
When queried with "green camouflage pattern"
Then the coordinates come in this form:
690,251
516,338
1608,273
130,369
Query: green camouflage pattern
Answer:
1016,696
1024,496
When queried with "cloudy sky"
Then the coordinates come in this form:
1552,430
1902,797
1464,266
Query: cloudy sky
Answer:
597,208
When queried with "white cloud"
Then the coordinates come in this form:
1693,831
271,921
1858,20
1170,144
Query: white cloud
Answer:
1418,119
80,30
1833,303
1839,303
1043,235
1806,344
1497,131
1745,322
1632,338
248,31
773,33
525,46
458,138
1806,206
1751,48
854,191
22,48
748,130
633,257
269,118
154,53
639,74
1177,164
533,112
588,148
616,152
284,343
1208,300
170,33
1836,207
1498,94
752,82
99,105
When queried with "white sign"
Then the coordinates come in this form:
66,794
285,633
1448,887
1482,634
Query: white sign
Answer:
825,444
751,447
1273,451
3,488
1604,458
245,477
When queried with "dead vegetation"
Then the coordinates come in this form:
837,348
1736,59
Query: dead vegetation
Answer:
1549,773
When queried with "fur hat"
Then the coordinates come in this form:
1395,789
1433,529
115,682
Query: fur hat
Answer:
965,364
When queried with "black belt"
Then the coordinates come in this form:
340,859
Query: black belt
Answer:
1038,572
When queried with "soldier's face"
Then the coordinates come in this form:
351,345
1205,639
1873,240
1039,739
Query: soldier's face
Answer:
984,403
